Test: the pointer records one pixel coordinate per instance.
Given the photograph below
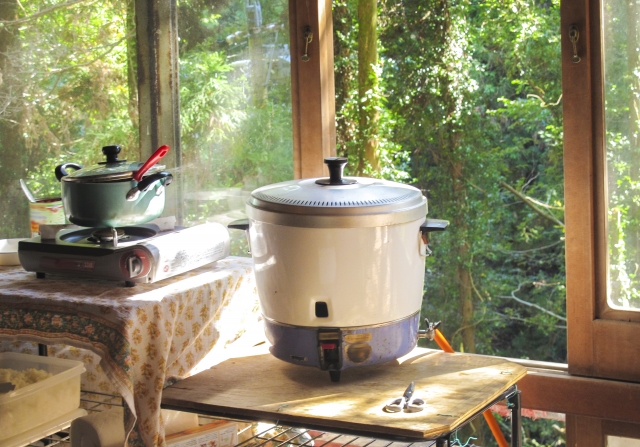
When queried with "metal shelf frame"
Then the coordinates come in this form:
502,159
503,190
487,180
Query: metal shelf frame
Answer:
278,435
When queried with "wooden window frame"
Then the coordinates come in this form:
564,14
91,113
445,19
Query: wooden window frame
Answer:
593,432
602,342
159,88
312,87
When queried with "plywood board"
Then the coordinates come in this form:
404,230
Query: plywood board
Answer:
455,387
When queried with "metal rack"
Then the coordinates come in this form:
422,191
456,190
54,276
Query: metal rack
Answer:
282,436
262,434
92,402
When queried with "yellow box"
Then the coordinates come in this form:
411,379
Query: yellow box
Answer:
215,434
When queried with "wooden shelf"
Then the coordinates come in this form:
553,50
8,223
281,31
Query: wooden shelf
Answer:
456,388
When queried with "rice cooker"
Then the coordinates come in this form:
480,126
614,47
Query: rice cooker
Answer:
339,265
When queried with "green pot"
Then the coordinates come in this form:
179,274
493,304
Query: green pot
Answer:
107,196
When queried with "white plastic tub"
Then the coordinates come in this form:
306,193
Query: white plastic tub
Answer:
39,403
9,251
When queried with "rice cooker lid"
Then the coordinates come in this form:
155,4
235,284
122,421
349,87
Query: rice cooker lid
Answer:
337,201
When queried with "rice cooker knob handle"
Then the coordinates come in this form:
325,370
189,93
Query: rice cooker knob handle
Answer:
429,226
336,168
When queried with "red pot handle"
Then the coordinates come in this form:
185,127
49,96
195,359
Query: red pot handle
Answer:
157,155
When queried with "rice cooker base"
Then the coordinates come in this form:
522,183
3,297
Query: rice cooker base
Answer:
336,349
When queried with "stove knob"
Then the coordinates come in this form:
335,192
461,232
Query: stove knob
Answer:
134,265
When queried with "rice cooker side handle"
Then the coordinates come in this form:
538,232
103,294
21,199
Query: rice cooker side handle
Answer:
241,224
429,226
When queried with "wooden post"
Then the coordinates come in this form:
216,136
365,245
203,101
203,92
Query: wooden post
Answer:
312,87
159,88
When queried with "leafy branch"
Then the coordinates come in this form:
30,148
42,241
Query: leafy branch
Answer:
544,205
544,247
524,320
95,59
512,296
543,103
531,204
527,303
41,13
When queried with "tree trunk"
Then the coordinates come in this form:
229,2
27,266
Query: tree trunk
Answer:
450,135
463,273
14,207
367,81
343,75
463,276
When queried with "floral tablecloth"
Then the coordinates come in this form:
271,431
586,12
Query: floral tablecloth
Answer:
146,336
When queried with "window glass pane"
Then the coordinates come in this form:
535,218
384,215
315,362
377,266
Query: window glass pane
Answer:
622,96
235,105
464,100
67,88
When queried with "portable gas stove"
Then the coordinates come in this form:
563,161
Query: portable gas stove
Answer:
136,254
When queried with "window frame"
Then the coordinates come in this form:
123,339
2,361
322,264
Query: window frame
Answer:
601,341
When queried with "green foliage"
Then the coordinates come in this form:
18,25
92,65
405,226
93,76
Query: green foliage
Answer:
211,107
228,140
469,99
64,95
394,161
262,151
535,432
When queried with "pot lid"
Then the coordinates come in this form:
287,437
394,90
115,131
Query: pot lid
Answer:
337,201
112,169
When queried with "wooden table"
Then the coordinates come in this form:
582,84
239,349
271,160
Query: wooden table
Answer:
455,387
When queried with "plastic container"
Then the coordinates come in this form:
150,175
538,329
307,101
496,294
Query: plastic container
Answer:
45,212
43,430
9,251
42,402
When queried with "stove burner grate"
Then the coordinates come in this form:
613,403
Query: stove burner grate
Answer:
108,236
104,235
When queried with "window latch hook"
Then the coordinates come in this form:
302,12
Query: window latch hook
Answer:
574,35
